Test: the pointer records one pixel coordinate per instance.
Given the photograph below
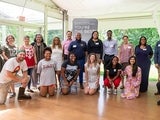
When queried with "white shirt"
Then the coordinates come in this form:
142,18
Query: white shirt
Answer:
13,66
46,69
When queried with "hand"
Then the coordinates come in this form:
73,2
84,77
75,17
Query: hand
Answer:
132,87
66,83
71,82
97,82
110,81
86,84
157,66
24,80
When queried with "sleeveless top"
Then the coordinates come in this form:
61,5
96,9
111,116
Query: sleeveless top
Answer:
29,56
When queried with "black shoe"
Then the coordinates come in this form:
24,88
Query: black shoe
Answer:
24,97
157,93
21,95
81,86
158,102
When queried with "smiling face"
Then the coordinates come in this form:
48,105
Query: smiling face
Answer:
21,56
132,61
56,41
38,38
26,40
10,40
69,35
125,39
72,57
47,55
78,36
92,58
95,35
109,34
143,41
114,60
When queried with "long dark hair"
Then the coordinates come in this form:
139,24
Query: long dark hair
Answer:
42,40
111,64
140,40
92,35
8,37
135,67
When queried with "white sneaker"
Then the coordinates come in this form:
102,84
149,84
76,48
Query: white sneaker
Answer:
109,91
115,92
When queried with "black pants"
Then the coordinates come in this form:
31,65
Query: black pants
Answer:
107,60
158,86
65,57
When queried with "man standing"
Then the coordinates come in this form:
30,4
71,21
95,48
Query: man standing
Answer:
110,49
79,48
66,44
157,65
9,75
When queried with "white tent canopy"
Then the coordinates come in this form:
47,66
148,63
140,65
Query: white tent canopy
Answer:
111,14
114,13
108,8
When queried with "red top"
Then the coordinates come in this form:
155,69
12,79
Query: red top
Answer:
29,56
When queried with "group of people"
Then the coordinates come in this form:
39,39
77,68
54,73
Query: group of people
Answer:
59,65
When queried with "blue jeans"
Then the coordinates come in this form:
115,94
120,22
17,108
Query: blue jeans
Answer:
81,63
30,74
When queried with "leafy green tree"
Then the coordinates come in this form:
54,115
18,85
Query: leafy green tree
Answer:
54,33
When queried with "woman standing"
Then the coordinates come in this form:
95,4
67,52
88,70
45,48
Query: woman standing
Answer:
46,71
10,51
126,50
143,54
69,72
113,78
57,56
39,46
133,79
92,74
30,59
95,45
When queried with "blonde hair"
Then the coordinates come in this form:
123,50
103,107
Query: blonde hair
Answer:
89,61
59,42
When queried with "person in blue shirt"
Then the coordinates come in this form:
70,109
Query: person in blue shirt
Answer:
157,65
79,48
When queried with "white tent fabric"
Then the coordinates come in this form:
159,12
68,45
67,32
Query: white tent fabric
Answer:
115,14
108,8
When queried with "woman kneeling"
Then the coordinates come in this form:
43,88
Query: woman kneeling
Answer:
92,74
46,71
69,73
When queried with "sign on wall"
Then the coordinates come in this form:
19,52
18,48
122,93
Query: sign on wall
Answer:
85,26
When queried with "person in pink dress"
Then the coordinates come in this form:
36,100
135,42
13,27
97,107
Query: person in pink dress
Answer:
133,79
126,50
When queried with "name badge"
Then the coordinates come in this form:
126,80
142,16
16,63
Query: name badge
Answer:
158,45
129,47
97,43
144,49
82,45
111,46
74,46
114,70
